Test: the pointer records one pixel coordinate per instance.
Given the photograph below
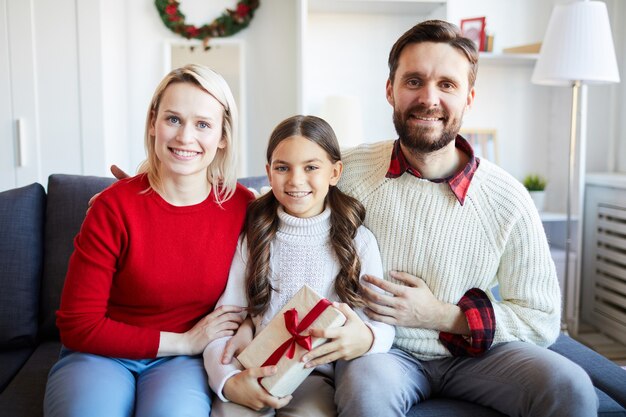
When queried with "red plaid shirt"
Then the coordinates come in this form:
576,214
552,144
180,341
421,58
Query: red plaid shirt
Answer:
475,304
459,183
482,323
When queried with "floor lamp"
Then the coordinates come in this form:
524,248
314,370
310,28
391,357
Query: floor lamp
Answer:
577,50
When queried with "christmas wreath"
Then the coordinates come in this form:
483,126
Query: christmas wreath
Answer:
227,24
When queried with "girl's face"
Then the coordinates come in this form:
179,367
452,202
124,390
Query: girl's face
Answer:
300,174
188,131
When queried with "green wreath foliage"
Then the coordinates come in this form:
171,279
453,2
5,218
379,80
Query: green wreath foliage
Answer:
227,24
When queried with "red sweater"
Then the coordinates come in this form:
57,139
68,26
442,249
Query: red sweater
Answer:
141,266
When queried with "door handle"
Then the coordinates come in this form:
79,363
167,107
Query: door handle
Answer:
20,125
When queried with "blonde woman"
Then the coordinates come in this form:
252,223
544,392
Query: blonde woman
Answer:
150,262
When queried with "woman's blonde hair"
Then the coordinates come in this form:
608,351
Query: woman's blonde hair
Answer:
221,173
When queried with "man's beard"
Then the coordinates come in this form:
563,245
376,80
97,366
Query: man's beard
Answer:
418,138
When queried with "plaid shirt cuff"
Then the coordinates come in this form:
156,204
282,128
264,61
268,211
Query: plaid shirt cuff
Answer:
482,323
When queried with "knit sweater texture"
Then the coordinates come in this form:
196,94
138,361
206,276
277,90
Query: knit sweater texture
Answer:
301,253
141,266
495,238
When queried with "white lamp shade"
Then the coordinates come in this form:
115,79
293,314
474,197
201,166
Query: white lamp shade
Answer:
578,46
344,115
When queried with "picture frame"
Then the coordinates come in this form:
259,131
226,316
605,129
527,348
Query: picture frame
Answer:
474,29
484,142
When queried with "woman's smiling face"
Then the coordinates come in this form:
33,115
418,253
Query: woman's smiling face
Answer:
187,130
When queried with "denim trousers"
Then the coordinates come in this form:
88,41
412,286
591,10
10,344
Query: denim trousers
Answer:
515,378
82,384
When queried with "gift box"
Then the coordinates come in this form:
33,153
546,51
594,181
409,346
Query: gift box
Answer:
281,343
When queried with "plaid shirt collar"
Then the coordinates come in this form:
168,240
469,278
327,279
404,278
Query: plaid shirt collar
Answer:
459,182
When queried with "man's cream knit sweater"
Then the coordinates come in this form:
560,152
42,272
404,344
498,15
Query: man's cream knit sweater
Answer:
495,238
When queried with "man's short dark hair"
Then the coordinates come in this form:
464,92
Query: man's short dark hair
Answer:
437,31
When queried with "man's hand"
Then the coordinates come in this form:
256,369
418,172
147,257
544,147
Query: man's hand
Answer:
350,341
244,389
117,173
411,305
239,341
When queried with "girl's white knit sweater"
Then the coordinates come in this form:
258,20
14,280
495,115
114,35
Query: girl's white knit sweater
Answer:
495,238
301,253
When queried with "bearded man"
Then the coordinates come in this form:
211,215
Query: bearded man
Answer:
450,228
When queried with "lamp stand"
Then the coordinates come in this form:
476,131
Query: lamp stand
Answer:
577,50
566,324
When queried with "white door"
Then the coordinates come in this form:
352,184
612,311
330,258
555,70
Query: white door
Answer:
40,118
19,163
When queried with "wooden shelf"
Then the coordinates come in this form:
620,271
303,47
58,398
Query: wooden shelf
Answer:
499,58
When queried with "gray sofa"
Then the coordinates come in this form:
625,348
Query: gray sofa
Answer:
36,233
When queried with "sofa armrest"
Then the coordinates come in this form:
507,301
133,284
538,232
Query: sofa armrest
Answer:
604,374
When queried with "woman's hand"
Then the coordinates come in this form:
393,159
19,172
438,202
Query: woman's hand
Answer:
244,389
239,341
350,341
222,322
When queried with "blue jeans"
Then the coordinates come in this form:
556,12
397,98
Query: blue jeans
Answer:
516,378
82,384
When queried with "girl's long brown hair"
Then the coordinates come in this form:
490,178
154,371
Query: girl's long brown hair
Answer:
347,214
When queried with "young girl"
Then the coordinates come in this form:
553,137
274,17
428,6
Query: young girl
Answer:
305,231
150,262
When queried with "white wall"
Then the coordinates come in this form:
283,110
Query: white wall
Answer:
115,70
58,91
270,68
118,58
507,102
90,73
606,134
7,156
531,121
618,149
521,113
346,55
272,75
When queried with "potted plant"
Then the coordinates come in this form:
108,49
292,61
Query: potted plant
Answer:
536,186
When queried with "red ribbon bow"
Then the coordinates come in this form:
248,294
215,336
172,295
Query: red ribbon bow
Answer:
292,326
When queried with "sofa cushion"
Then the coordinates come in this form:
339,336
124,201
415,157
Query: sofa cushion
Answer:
24,395
448,407
21,252
68,196
604,374
11,361
608,407
256,183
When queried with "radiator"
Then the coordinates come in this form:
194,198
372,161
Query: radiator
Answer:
604,260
